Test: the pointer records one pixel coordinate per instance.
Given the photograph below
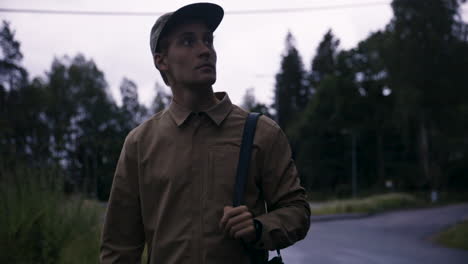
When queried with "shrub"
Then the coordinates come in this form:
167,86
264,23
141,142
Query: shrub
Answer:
372,204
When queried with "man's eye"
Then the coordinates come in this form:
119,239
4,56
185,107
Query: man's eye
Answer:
187,41
208,41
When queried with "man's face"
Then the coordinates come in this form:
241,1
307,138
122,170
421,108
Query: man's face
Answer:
190,58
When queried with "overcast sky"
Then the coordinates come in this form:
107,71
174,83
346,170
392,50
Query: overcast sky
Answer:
249,46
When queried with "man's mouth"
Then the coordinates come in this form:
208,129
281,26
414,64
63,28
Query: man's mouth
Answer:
206,65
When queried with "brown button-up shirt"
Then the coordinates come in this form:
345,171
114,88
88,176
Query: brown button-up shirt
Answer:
175,174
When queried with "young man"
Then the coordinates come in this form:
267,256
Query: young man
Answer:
175,178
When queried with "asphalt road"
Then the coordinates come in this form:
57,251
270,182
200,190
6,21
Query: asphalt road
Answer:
401,237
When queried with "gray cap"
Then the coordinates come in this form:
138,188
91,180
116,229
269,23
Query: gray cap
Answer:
209,13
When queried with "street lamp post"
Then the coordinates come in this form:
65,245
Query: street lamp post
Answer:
353,134
353,164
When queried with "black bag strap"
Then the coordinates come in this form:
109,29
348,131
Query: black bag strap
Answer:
244,158
244,163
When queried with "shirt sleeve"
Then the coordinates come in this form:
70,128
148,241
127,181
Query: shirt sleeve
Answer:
288,218
123,232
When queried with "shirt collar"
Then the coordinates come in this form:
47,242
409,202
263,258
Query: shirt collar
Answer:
217,112
221,110
178,113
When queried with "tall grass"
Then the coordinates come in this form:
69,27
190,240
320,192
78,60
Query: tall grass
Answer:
39,224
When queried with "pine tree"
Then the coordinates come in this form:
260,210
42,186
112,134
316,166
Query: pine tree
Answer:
426,35
21,128
324,61
291,93
12,74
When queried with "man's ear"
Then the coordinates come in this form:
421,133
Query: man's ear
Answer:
160,61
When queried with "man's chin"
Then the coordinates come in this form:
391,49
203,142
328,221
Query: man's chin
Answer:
207,81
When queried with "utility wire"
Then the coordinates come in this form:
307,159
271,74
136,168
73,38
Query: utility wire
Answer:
306,9
152,14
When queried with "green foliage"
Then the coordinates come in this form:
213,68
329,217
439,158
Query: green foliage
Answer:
12,74
13,90
324,61
87,127
250,104
39,224
322,134
66,118
161,100
426,76
249,101
291,93
372,204
400,93
455,237
134,112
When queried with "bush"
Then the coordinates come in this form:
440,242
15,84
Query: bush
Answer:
39,224
372,204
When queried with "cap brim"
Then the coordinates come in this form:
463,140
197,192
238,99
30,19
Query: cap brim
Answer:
209,13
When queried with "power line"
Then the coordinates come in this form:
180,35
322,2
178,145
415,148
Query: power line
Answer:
152,14
307,9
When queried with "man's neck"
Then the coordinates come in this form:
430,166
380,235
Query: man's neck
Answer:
196,99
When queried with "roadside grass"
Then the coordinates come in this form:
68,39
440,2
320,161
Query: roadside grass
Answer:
40,224
455,236
370,205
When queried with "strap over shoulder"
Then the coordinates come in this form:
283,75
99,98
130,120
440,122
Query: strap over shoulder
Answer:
244,158
243,171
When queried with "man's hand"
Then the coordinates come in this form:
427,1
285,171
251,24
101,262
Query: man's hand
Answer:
237,222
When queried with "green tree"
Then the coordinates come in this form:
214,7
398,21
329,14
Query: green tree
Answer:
129,93
324,61
291,93
401,91
134,112
370,60
162,99
88,128
23,131
250,103
12,74
425,74
317,135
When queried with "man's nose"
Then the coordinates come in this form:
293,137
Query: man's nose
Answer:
205,50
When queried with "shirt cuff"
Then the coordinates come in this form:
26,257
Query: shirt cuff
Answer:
258,231
261,241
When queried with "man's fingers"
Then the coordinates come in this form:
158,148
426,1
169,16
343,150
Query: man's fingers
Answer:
233,211
247,233
230,212
224,219
237,222
240,226
237,219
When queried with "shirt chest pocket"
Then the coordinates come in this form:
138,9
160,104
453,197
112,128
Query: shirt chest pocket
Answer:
222,173
223,161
